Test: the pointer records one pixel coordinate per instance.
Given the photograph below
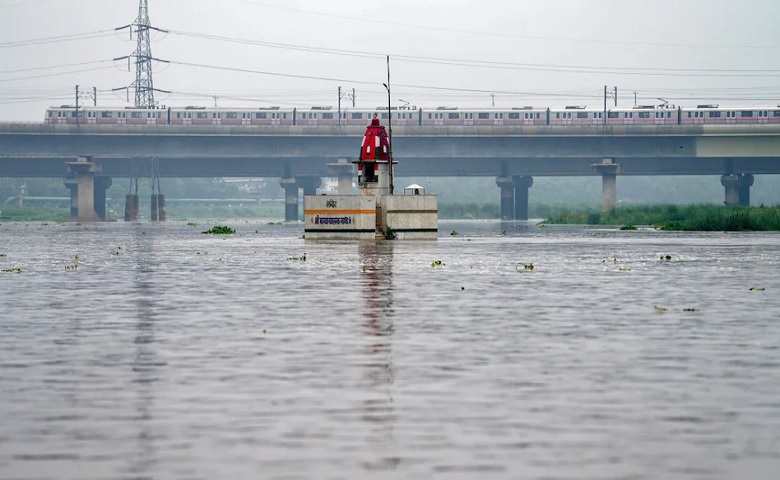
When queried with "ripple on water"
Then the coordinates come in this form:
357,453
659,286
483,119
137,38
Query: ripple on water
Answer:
171,354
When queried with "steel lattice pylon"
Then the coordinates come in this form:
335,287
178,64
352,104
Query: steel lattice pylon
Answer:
143,85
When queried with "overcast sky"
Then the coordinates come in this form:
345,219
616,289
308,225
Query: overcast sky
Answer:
442,52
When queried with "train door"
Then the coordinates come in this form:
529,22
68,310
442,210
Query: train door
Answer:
498,118
246,118
216,118
468,119
762,116
438,118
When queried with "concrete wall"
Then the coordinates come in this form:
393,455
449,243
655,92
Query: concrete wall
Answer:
411,216
339,217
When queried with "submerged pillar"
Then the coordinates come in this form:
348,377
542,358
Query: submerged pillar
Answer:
84,171
522,184
131,208
609,171
154,208
102,184
161,214
344,172
507,186
290,187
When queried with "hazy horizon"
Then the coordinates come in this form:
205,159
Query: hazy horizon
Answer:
511,53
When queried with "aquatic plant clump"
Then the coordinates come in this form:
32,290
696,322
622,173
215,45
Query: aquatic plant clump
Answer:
219,230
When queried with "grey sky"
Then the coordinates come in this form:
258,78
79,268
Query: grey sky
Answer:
546,53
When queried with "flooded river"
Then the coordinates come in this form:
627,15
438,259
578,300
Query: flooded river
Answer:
140,351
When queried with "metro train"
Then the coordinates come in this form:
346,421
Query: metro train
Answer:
414,116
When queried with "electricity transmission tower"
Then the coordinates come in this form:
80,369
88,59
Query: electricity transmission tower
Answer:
143,85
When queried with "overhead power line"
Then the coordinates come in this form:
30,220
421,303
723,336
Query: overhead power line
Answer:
600,70
58,39
364,20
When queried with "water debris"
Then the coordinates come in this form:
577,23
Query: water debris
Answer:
71,268
118,251
690,309
614,260
526,266
628,226
299,259
454,233
76,257
192,224
757,289
11,270
437,263
541,225
503,233
2,255
462,288
660,309
625,269
219,230
666,258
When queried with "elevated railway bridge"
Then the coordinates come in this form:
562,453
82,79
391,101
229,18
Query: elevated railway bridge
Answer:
89,156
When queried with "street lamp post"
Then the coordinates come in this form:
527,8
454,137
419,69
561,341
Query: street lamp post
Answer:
389,125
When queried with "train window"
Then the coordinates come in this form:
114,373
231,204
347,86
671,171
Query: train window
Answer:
747,113
613,115
689,114
557,115
483,116
515,116
327,116
714,114
384,116
776,113
261,116
284,115
136,115
106,114
453,116
582,115
201,115
231,115
644,114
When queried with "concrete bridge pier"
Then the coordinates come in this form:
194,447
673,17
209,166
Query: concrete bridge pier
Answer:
154,213
507,186
737,188
309,184
522,184
344,172
131,208
744,189
102,184
72,185
290,187
609,170
84,171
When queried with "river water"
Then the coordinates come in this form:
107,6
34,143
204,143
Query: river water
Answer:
135,351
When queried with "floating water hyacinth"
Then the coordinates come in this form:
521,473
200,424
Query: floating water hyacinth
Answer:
219,230
437,263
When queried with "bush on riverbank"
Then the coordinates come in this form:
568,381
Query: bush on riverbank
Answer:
678,217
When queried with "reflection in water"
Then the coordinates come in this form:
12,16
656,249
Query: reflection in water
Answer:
144,361
378,329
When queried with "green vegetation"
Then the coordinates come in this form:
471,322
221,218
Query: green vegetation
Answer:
220,230
678,217
31,214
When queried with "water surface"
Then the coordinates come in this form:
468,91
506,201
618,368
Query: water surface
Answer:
154,351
